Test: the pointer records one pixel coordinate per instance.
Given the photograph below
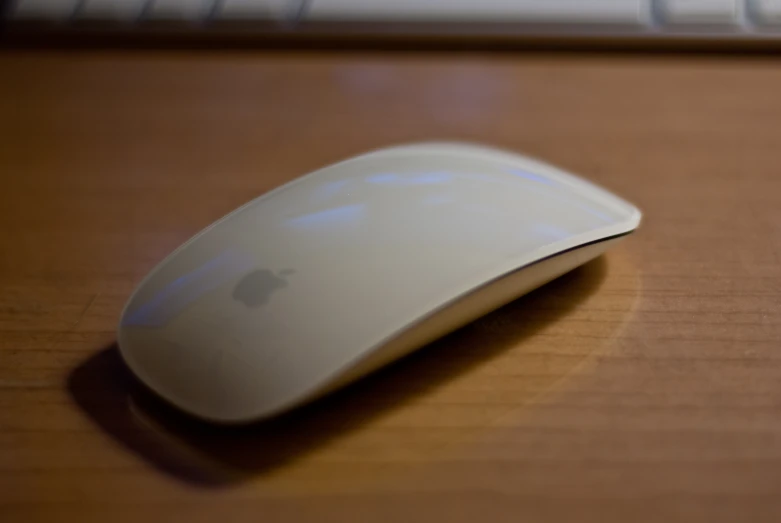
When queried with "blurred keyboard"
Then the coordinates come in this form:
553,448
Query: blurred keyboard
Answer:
724,20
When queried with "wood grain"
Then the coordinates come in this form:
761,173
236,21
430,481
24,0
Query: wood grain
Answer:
645,386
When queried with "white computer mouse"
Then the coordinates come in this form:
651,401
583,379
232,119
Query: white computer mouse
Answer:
339,272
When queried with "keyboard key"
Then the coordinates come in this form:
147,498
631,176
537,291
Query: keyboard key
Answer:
180,10
631,12
113,10
696,12
258,9
766,12
50,10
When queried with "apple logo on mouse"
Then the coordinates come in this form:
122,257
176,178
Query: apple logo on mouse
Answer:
256,288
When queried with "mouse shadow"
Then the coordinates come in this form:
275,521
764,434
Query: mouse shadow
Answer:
217,456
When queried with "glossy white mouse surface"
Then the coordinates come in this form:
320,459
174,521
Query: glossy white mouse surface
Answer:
336,273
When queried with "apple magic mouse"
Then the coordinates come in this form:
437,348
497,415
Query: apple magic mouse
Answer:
348,268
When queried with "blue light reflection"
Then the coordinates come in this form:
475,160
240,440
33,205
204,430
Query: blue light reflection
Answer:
551,232
334,216
430,178
330,189
175,296
531,176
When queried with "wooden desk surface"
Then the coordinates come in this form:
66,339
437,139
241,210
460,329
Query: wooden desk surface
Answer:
643,387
